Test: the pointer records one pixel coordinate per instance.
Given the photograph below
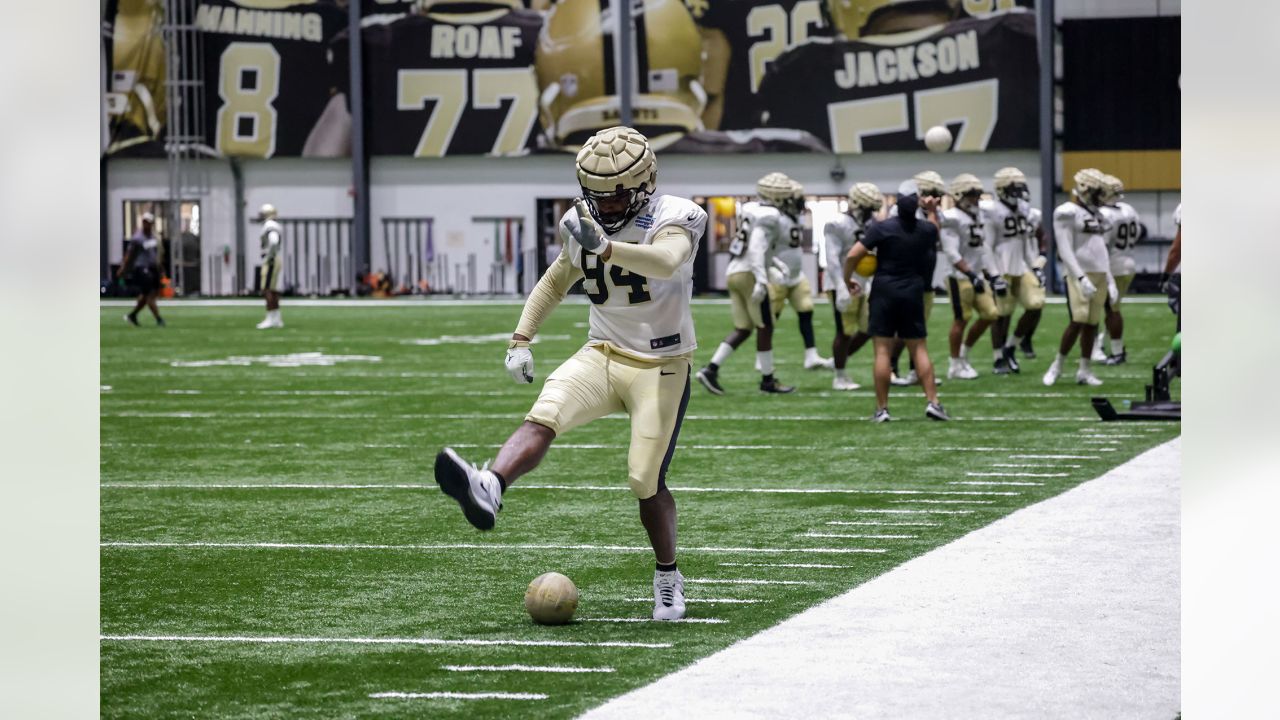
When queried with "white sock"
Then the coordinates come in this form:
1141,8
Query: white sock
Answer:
1012,341
722,353
275,315
842,374
964,351
1117,346
765,361
1084,365
1059,361
810,354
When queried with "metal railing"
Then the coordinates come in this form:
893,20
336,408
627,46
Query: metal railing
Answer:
317,256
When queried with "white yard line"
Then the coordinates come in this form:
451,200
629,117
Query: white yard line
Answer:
881,523
967,643
693,621
1017,474
457,696
851,536
914,501
813,566
479,546
709,601
285,640
744,581
912,512
526,668
1036,465
1055,457
1001,483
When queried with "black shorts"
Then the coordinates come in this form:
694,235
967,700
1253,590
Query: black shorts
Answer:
144,280
897,310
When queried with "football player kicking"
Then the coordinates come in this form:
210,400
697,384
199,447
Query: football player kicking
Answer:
763,229
635,251
1078,232
789,284
851,309
1013,229
1123,233
964,243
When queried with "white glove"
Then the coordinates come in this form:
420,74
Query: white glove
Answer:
842,301
520,361
1113,292
782,266
586,231
759,292
1087,288
777,277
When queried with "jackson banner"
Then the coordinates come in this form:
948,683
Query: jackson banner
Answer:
514,77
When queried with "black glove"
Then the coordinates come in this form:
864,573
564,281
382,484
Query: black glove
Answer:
1000,285
978,285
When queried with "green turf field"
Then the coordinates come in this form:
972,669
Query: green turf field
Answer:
209,452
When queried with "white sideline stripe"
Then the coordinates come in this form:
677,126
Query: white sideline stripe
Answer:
531,486
1035,465
967,644
526,668
271,640
745,581
694,621
1055,457
457,696
710,601
945,502
815,566
1100,442
857,537
1013,483
479,546
883,524
1016,474
913,512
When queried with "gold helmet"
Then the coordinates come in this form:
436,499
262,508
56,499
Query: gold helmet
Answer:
1114,190
617,163
574,65
1011,185
266,212
965,189
929,182
774,188
794,204
423,7
1091,183
855,18
864,200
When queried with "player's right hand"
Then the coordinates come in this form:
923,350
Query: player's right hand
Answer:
586,231
776,277
759,292
999,285
978,285
1087,288
842,301
519,362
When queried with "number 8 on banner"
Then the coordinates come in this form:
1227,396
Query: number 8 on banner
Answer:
248,83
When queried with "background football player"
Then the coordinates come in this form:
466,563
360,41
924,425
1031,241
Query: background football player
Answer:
634,251
851,309
1123,233
1078,234
1015,231
928,188
763,229
272,266
965,246
789,284
142,262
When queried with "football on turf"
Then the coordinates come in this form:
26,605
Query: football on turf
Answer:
938,139
551,599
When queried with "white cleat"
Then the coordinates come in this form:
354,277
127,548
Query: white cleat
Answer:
477,490
909,379
961,371
668,595
265,324
1086,377
819,363
1051,375
843,383
1098,355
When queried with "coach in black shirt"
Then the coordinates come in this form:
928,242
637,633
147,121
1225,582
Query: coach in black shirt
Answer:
905,253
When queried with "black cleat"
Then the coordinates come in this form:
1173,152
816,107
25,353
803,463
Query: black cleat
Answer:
934,411
1117,359
131,320
1011,358
773,386
881,416
1028,352
1001,366
159,322
476,490
710,380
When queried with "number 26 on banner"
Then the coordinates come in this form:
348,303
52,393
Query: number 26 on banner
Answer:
972,105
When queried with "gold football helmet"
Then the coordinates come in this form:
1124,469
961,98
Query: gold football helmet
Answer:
1114,190
929,182
864,200
1091,183
774,188
617,164
574,62
856,18
1011,186
966,190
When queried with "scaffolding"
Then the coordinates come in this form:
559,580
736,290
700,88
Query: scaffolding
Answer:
185,142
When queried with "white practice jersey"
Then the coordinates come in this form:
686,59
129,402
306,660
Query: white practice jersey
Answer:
791,254
1122,235
763,231
840,235
1177,215
646,317
963,238
941,268
1013,234
1079,234
272,239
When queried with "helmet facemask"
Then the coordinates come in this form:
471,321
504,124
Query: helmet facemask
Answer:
613,210
618,174
1013,192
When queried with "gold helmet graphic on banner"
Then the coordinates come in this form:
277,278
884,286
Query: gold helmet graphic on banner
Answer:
857,18
577,66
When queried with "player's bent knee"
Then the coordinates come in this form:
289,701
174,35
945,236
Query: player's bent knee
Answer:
643,488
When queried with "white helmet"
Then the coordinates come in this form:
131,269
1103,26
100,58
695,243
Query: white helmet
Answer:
1114,190
866,197
617,162
1011,185
774,188
794,204
268,212
929,182
1091,184
965,190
